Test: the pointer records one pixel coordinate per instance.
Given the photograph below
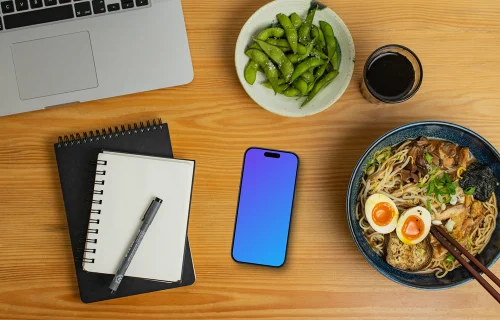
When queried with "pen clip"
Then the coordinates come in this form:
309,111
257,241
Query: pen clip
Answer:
147,211
152,209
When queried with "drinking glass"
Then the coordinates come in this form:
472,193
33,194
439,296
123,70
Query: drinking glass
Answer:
390,73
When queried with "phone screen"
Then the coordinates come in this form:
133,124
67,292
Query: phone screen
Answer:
265,207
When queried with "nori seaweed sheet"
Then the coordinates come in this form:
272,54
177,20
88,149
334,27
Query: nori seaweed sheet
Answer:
480,177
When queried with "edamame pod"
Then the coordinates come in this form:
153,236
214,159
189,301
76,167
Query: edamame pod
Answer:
310,87
314,32
309,49
320,84
301,85
335,61
308,77
296,21
254,46
267,84
284,89
322,41
320,71
304,66
251,71
285,46
293,58
331,43
266,65
290,32
271,32
273,52
281,87
305,28
282,43
301,49
291,92
319,54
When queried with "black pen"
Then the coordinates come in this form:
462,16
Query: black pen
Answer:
147,220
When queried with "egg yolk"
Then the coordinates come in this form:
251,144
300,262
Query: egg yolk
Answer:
382,213
413,228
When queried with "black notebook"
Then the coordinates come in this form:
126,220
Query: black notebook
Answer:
76,160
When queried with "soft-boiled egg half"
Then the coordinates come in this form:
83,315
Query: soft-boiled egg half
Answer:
414,225
381,213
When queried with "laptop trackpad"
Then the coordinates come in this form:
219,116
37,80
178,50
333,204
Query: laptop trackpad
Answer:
55,65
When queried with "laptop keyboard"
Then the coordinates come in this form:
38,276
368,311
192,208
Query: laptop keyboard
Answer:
16,14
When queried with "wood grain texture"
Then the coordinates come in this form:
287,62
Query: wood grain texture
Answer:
213,121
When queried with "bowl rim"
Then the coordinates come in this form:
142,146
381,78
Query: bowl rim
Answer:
351,186
331,101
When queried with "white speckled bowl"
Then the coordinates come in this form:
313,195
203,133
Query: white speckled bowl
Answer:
279,104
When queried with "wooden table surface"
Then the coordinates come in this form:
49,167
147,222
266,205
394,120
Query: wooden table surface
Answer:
213,121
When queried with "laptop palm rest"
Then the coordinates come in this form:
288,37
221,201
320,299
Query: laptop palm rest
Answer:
54,65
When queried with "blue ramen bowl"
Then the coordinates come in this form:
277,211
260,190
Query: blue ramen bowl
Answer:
480,148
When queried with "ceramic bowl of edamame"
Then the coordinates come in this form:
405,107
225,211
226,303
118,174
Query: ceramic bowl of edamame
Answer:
295,58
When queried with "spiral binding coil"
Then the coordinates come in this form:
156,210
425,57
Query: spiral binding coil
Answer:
94,230
110,133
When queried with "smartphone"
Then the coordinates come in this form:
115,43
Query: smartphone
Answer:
265,207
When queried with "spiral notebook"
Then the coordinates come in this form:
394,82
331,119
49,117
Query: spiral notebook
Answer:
76,160
126,185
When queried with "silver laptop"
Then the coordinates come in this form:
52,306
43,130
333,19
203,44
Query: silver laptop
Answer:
59,52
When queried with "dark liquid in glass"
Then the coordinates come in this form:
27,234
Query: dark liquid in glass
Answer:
390,76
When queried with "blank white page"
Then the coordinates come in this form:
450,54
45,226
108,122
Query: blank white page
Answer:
131,182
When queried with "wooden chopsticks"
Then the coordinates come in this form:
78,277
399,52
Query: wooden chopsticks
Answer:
447,241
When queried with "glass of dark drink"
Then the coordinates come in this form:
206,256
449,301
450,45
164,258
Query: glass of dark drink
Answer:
392,74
